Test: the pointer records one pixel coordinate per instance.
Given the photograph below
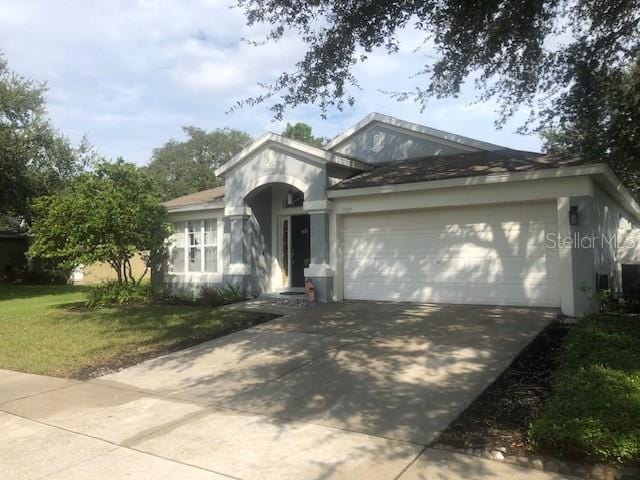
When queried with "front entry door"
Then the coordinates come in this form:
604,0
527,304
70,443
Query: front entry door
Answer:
300,249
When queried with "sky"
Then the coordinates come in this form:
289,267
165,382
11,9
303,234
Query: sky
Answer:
130,73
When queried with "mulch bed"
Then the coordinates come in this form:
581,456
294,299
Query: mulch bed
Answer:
499,418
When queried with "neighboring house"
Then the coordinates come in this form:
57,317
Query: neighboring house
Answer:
392,210
102,272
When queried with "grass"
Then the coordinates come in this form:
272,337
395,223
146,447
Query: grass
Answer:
594,410
47,330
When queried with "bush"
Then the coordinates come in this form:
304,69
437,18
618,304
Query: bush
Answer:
113,293
217,296
594,410
42,277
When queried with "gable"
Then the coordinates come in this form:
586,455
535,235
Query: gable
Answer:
379,143
380,138
272,139
275,163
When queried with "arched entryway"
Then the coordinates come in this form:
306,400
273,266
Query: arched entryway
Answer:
278,234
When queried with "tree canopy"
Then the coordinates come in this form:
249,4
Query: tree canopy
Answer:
600,120
180,168
303,132
35,159
107,215
521,52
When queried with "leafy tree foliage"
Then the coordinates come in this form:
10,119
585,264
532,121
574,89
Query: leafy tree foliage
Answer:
303,132
107,215
600,120
35,159
517,51
180,168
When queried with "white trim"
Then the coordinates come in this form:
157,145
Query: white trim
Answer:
518,192
335,254
315,205
280,249
230,211
412,127
565,262
319,270
238,269
195,215
273,178
185,272
196,207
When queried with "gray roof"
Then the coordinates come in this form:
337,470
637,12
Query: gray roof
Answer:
213,195
442,167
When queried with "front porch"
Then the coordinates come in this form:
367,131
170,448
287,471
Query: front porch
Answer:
276,244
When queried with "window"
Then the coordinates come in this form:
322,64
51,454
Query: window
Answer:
176,261
195,247
293,198
210,245
194,229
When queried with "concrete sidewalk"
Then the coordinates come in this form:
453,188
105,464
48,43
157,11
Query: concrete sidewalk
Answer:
31,449
341,392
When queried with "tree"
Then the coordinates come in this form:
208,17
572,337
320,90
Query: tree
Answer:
600,120
518,51
302,131
35,159
180,168
107,215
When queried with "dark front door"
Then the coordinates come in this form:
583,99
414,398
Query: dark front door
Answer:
300,249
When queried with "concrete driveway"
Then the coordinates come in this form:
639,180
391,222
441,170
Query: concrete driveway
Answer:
349,390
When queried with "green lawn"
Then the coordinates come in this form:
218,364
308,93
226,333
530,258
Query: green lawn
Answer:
46,329
594,410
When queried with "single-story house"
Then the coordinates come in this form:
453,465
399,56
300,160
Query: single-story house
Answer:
392,210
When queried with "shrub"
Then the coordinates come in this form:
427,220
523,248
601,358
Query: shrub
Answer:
217,296
42,277
116,293
594,410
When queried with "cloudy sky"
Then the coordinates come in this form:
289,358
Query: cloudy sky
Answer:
130,73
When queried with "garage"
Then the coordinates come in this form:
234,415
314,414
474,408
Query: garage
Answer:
487,255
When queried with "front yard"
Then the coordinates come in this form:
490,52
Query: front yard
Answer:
47,330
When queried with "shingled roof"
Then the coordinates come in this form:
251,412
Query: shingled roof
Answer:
213,195
442,167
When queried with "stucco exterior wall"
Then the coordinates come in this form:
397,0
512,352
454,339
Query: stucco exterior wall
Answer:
273,164
259,234
381,143
600,246
617,224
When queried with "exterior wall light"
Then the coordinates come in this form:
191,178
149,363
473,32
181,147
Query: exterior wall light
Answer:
573,215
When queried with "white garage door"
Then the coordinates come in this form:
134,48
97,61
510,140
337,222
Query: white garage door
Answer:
491,255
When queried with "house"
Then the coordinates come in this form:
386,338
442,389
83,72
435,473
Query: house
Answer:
100,272
392,210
